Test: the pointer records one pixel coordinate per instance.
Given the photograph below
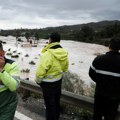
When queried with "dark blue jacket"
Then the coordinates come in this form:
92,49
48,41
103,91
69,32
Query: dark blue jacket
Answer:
105,71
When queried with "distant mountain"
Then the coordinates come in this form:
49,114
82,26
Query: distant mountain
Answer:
95,25
94,32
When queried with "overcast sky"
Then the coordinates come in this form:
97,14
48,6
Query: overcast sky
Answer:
50,13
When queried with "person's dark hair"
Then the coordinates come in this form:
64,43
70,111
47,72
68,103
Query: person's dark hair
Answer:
55,37
1,46
115,44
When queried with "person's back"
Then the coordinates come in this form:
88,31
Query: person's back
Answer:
107,80
53,62
105,72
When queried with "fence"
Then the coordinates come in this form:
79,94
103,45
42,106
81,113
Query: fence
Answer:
68,97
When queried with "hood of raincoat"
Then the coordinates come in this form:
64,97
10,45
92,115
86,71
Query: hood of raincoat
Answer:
60,53
53,63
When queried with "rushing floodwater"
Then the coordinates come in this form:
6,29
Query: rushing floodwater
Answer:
80,56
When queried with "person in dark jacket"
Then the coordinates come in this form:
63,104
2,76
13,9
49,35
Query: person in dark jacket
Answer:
105,72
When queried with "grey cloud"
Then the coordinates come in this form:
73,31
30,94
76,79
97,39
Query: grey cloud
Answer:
61,10
107,15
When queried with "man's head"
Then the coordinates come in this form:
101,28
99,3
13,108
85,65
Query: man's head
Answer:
114,44
54,37
2,53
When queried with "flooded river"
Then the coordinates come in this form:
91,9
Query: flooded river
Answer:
80,55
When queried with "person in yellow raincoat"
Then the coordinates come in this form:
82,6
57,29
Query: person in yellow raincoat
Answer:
9,82
53,62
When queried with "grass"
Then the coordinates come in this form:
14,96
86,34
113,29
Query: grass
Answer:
73,83
74,112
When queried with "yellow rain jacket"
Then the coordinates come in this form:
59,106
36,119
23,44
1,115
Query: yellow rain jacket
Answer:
53,62
10,77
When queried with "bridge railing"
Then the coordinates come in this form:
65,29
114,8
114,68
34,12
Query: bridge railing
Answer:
68,97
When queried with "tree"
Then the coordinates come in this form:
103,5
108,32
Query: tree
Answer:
78,35
112,30
17,35
85,33
37,36
88,33
27,36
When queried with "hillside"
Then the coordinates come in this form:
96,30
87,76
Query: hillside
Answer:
94,32
95,25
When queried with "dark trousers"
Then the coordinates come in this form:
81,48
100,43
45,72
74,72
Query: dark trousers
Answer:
105,107
51,94
8,104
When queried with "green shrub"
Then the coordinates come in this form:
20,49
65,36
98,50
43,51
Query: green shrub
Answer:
73,83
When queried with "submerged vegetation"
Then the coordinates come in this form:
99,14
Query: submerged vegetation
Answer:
32,63
25,70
